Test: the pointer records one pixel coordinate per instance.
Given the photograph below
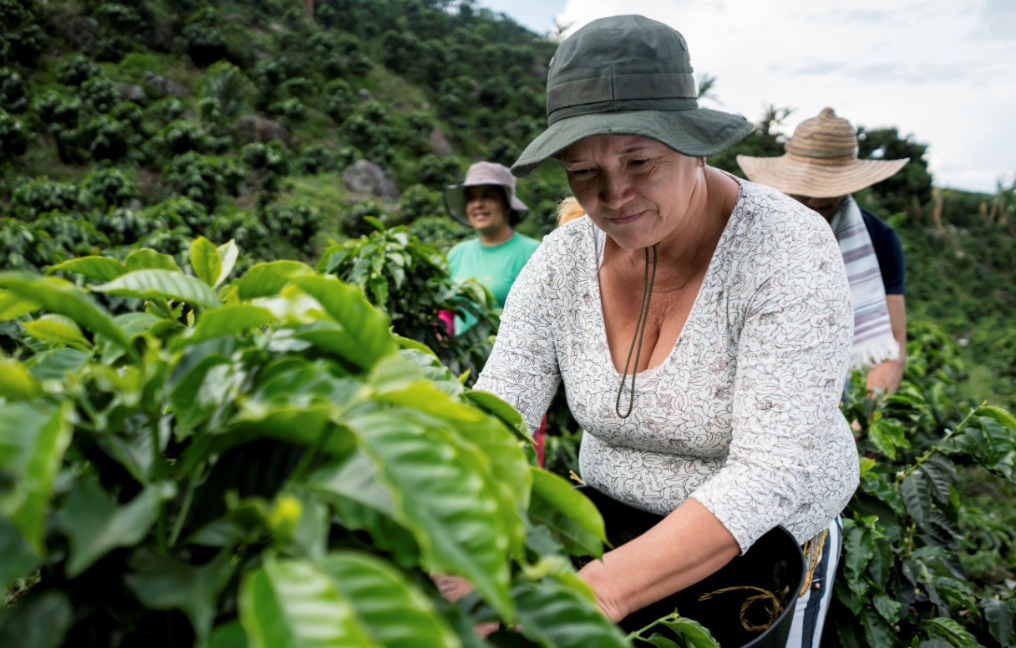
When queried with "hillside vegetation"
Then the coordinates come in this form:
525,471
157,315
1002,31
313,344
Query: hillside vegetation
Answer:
216,441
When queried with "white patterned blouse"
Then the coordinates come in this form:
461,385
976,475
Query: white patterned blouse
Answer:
743,415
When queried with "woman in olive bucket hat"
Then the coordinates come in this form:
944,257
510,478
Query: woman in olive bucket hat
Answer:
820,170
726,301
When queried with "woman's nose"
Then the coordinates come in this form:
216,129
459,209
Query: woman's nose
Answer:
614,191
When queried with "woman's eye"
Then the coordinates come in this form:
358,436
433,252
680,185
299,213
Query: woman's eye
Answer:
580,172
639,162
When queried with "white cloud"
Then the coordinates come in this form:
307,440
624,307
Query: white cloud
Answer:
940,70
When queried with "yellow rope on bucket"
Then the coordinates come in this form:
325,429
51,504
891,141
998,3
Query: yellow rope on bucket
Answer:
773,612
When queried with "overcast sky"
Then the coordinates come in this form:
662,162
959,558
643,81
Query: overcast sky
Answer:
942,70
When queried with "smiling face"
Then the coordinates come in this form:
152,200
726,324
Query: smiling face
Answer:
486,208
637,190
826,207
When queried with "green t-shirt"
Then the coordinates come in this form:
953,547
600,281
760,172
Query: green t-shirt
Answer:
494,266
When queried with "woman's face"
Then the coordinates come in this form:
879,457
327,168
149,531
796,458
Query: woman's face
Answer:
635,189
485,207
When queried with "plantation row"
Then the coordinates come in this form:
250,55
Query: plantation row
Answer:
218,445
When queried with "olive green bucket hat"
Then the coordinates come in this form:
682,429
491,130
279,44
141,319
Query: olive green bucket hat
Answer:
628,75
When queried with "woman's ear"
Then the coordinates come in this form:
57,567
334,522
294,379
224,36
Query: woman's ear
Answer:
701,162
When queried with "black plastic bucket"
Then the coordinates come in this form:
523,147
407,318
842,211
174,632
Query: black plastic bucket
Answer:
773,563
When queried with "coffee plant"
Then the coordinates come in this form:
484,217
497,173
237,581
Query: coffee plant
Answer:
260,459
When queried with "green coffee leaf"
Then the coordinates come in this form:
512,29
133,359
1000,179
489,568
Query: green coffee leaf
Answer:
56,364
439,496
557,617
491,403
888,608
365,327
228,254
41,622
17,558
393,610
267,279
916,496
999,617
205,261
294,604
95,524
13,305
161,284
567,513
876,631
951,631
33,439
16,383
1002,416
695,635
229,635
227,320
62,298
94,267
145,259
58,329
164,583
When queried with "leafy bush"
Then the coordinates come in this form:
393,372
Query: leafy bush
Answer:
242,228
54,111
296,224
418,202
21,38
411,282
181,136
289,111
13,137
77,70
167,110
440,232
43,195
269,164
227,84
106,138
244,517
177,212
203,39
437,172
314,159
12,92
112,187
356,224
195,177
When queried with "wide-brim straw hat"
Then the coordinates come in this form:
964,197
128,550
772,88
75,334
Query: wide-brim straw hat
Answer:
820,162
485,173
628,75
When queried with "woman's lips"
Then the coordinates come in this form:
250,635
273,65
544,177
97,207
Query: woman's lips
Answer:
621,220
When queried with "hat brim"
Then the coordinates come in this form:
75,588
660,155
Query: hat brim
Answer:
455,201
796,176
696,133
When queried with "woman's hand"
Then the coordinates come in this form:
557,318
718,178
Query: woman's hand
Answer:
685,547
608,599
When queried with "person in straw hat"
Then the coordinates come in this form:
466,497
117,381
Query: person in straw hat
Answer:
820,170
727,303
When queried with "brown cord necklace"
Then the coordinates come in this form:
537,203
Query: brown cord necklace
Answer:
640,331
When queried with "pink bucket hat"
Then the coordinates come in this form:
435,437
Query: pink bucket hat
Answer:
485,173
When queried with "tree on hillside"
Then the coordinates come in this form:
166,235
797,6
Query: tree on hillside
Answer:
899,192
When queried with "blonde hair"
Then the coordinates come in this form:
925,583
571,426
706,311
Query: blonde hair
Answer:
568,210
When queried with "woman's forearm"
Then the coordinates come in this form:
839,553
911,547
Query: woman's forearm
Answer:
688,545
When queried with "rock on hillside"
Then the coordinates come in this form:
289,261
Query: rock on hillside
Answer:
367,177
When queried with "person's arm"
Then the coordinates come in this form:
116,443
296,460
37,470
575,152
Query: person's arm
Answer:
792,352
688,545
522,369
889,374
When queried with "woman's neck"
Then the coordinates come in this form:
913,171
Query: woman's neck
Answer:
496,237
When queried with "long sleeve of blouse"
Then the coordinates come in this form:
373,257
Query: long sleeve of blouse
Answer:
743,415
